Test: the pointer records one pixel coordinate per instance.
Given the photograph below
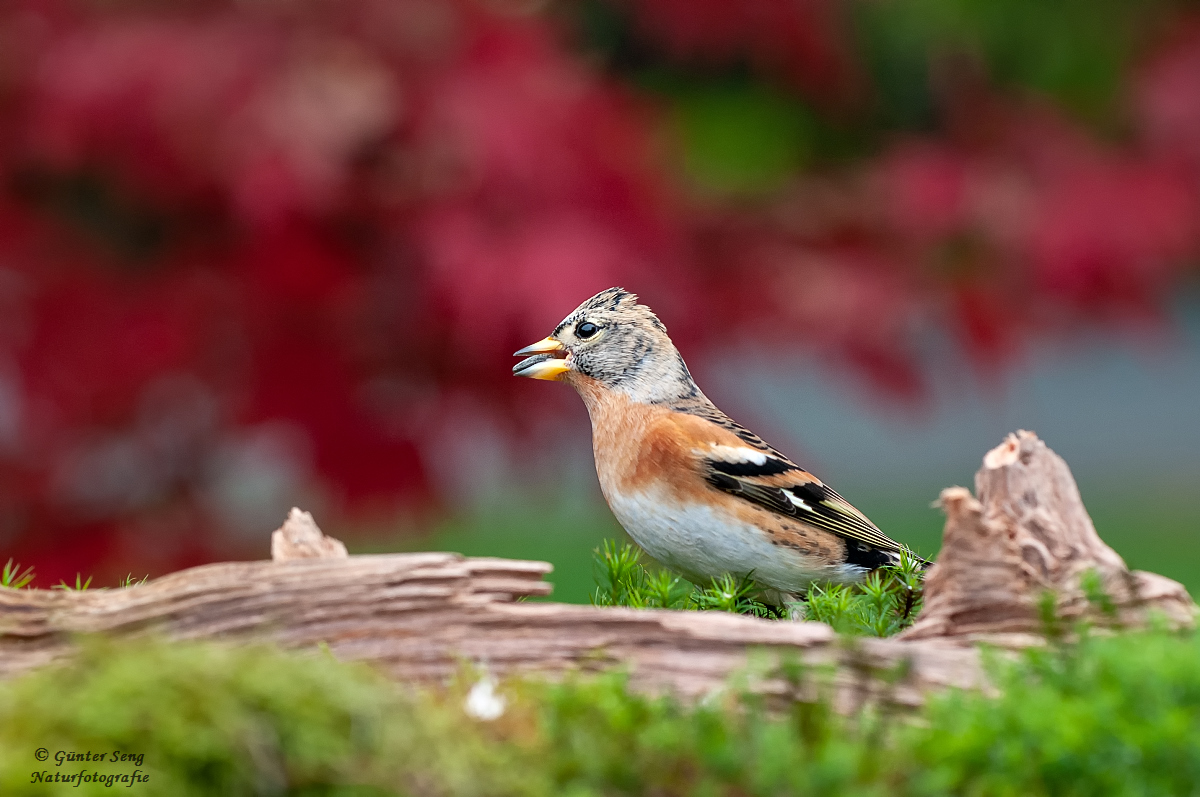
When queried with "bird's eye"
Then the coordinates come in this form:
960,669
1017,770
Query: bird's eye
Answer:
586,330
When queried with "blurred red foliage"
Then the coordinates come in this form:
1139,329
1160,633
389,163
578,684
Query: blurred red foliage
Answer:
800,41
248,248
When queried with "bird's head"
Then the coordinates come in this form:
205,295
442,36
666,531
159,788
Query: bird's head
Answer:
614,341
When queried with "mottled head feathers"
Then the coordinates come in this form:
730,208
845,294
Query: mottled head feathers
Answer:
622,344
615,303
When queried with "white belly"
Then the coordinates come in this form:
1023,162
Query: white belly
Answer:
702,543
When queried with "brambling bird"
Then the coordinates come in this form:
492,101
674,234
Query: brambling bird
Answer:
700,493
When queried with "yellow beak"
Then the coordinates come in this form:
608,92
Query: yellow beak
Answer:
548,360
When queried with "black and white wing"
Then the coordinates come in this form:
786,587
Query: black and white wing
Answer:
772,481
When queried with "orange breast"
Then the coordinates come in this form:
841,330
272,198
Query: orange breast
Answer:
639,445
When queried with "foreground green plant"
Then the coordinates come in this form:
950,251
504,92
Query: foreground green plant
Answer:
208,719
1112,715
13,577
882,605
79,586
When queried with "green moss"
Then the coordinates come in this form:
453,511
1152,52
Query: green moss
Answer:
13,577
884,604
208,719
1113,715
1118,715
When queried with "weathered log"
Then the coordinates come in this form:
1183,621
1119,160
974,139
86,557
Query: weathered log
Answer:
1027,537
420,617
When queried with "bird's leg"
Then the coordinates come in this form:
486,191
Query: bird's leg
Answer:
795,607
789,604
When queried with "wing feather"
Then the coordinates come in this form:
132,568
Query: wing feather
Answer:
740,463
774,482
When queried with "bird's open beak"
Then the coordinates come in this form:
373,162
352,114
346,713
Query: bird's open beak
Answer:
545,359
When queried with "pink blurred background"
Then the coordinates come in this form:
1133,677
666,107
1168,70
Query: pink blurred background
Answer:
257,254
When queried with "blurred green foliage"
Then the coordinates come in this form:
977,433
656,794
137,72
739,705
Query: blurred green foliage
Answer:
1154,526
1111,715
1074,52
214,720
745,130
1119,715
741,137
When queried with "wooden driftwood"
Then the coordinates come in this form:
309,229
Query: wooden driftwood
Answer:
300,538
1025,537
421,616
